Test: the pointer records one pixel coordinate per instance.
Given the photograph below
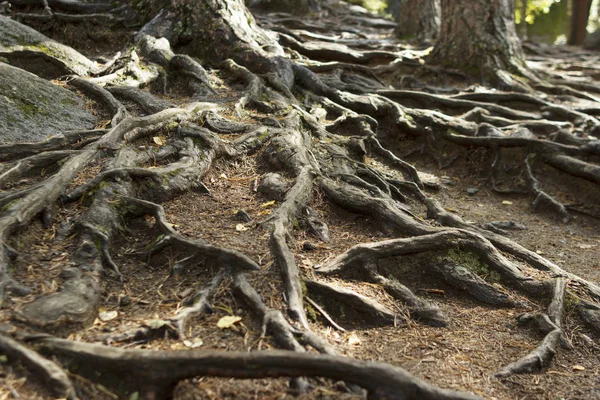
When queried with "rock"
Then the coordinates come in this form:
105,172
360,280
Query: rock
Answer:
487,130
26,48
242,216
317,227
32,108
308,246
472,191
273,186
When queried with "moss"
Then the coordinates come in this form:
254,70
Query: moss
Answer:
311,313
9,206
263,136
571,302
30,110
303,288
68,102
472,262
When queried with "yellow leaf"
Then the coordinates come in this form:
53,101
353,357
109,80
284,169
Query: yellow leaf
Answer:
159,140
267,204
228,321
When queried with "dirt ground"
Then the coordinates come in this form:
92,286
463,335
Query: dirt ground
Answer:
478,341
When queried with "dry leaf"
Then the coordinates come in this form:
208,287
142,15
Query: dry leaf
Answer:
159,140
155,323
586,246
240,227
578,368
506,202
228,321
353,340
193,345
106,316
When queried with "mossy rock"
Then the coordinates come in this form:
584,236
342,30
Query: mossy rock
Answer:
32,108
25,47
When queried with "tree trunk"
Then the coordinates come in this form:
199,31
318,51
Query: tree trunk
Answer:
479,38
579,20
419,19
523,25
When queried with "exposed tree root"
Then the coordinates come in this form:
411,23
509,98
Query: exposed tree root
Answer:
157,372
51,374
328,127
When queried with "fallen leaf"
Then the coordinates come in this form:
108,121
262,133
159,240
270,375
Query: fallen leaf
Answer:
506,202
223,176
428,359
193,345
228,321
578,368
267,204
159,140
241,227
353,340
586,246
155,323
106,316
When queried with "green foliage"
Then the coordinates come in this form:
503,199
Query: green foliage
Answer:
534,8
376,6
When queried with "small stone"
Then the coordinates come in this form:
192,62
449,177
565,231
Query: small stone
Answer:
273,186
308,246
472,191
242,216
124,301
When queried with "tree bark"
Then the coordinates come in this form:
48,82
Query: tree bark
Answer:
579,20
479,37
419,19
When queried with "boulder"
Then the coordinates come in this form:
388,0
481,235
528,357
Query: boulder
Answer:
32,108
26,48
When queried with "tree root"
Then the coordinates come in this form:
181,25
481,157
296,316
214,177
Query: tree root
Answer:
157,372
541,357
51,374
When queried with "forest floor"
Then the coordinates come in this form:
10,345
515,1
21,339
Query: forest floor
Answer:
464,355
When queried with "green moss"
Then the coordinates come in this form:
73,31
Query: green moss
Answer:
311,313
9,206
571,302
68,102
472,262
263,136
303,288
30,110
